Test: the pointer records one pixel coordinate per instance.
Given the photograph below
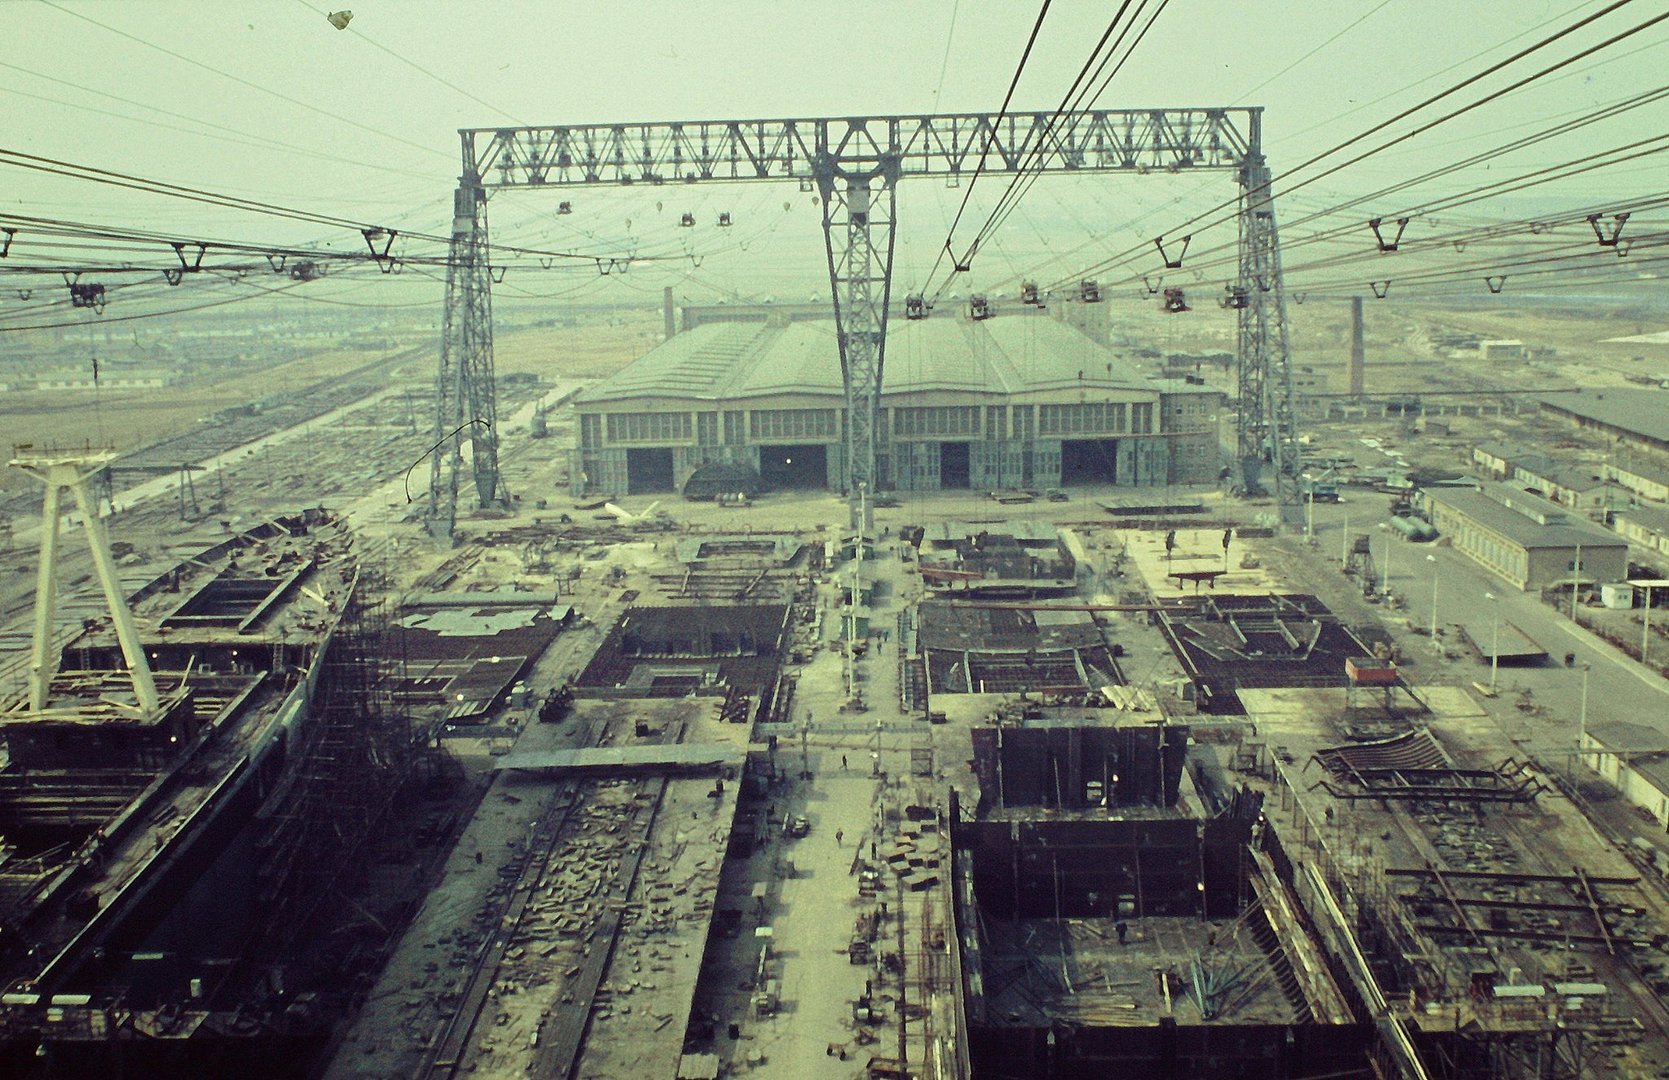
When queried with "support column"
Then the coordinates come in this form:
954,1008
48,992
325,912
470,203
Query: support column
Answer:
466,406
139,665
43,662
1267,434
859,205
76,471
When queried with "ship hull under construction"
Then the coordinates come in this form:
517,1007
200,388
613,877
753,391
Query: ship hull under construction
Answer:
132,887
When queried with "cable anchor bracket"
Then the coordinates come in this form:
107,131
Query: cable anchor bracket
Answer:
191,266
1170,263
1607,237
1379,235
376,233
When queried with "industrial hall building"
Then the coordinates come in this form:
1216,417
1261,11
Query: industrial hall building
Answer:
1019,399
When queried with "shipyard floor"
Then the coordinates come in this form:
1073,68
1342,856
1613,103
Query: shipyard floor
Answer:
847,772
469,993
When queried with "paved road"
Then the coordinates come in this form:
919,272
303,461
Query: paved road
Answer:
1619,687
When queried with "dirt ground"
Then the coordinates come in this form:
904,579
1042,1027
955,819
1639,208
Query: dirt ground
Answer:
132,419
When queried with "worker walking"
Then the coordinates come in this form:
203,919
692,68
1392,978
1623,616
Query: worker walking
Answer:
839,836
843,763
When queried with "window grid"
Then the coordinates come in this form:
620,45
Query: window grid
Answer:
936,420
648,427
792,424
1089,418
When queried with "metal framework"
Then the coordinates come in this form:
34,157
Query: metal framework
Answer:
76,470
466,401
854,164
1265,426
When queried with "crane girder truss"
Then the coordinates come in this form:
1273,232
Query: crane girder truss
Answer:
855,163
946,145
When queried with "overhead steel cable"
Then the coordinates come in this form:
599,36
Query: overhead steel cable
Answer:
339,118
1194,224
105,319
1573,263
1443,204
1033,155
1153,214
230,134
415,66
990,136
93,174
1023,181
1423,209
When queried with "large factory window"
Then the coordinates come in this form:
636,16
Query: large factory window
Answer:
1090,418
792,424
937,420
648,427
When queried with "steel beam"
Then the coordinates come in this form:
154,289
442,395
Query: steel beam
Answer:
466,398
76,470
860,201
950,145
1266,426
855,164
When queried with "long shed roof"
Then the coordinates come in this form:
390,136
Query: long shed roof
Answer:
1006,355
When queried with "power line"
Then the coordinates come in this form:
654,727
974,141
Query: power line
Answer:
958,265
418,67
146,314
232,134
990,136
1182,197
1024,181
372,233
1443,203
251,85
1492,69
1376,9
944,64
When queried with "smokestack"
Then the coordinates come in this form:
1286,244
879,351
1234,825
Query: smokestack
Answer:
672,327
1356,356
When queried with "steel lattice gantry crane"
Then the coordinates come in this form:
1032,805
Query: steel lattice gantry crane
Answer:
855,164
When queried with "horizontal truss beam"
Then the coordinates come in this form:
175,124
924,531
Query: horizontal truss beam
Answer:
948,145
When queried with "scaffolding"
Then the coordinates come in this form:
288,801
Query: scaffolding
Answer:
358,752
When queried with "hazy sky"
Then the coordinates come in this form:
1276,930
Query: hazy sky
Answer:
104,95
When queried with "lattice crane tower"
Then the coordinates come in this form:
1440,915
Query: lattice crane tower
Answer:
855,163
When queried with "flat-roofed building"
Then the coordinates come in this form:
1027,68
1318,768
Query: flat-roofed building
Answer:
1634,759
1525,539
1636,419
1645,477
1499,461
1579,487
1645,526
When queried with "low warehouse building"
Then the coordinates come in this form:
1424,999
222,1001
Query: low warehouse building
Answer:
1634,758
1635,419
1018,400
1646,526
1527,540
